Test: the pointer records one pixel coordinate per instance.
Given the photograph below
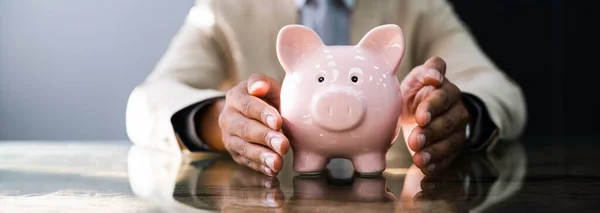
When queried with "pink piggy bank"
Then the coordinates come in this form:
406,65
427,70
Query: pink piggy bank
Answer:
340,101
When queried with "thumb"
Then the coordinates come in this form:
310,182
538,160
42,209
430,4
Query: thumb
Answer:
431,73
420,82
264,87
436,63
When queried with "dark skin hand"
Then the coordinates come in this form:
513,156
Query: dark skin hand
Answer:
249,125
208,129
434,118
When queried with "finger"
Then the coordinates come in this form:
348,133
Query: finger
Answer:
256,166
253,107
454,120
255,132
240,159
416,87
420,77
431,73
427,159
436,63
444,125
412,102
417,139
265,87
437,103
257,154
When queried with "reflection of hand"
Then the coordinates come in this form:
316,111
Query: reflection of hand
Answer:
434,118
251,189
441,192
455,189
235,188
444,192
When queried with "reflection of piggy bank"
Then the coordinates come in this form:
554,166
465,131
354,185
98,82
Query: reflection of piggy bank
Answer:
340,101
329,194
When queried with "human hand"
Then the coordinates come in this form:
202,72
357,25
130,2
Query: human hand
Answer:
250,125
434,118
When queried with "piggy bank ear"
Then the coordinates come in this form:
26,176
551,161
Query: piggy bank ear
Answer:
388,40
294,42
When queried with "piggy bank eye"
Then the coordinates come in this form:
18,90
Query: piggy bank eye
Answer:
321,76
356,75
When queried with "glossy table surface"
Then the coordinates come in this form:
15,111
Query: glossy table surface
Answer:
115,176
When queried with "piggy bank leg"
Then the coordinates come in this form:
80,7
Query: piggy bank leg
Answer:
308,163
369,164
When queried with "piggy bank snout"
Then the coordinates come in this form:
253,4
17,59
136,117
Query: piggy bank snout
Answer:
338,109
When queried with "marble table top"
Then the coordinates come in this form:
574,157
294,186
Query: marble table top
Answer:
116,176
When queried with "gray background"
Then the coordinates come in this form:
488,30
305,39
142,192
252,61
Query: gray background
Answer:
67,66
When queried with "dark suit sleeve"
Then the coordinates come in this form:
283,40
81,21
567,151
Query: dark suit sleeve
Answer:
184,124
482,132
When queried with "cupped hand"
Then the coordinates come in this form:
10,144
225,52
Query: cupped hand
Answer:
434,118
250,125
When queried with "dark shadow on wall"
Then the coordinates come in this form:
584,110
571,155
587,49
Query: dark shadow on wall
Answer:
527,40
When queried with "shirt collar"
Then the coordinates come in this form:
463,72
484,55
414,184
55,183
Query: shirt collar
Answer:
349,3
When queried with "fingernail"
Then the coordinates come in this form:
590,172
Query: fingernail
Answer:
257,85
426,158
270,161
434,74
271,121
431,168
268,171
427,118
421,140
276,143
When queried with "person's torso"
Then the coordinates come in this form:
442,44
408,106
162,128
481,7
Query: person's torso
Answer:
250,31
